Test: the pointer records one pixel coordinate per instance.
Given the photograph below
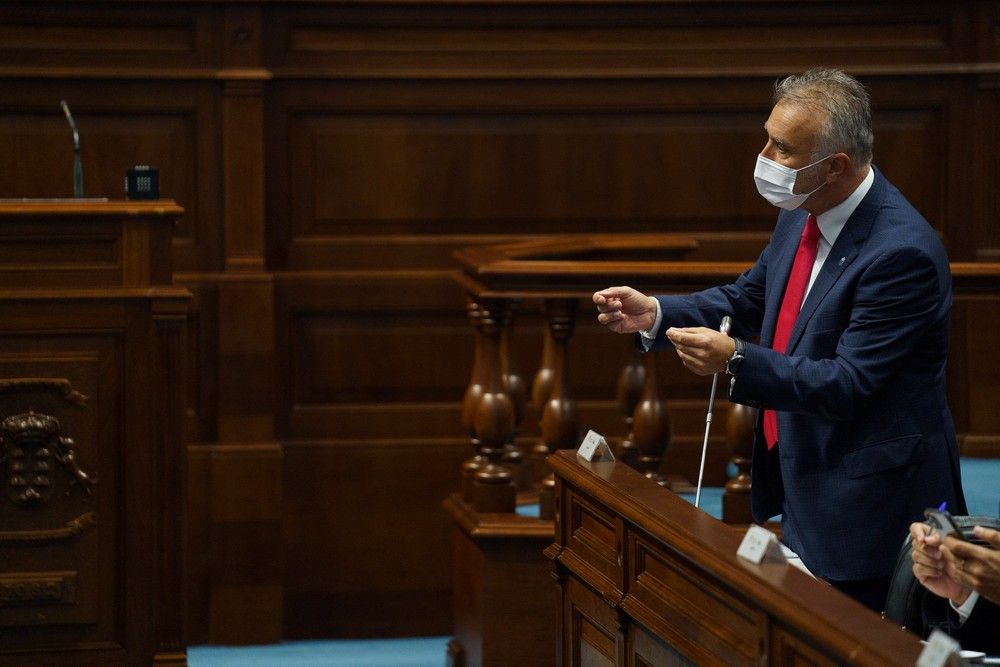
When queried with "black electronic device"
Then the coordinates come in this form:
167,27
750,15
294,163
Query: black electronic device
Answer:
142,182
943,523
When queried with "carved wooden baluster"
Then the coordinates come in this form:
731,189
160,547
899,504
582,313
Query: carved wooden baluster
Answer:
651,425
560,424
516,388
739,438
630,384
541,390
492,486
472,395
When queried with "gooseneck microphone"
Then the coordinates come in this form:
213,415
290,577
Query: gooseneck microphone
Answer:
77,163
727,323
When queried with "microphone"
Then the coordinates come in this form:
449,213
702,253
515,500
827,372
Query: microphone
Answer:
727,323
77,163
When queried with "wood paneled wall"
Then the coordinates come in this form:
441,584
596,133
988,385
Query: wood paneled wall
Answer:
331,155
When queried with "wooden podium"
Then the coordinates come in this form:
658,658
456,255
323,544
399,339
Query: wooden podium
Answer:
91,399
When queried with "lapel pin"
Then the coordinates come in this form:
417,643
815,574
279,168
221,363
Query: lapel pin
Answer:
842,260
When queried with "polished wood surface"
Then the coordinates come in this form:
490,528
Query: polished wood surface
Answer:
330,156
505,602
648,579
92,336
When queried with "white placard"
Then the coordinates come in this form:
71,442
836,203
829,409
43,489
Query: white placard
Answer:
938,650
759,545
595,448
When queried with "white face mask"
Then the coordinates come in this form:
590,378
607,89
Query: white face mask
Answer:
775,183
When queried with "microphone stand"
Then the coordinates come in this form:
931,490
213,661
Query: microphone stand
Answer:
723,328
77,163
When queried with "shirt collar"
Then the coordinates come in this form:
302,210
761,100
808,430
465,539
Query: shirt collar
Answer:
832,222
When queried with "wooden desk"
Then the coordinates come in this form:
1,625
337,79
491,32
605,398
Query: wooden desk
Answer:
648,579
91,396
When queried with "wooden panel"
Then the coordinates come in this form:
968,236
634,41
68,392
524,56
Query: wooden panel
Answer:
558,169
596,538
87,568
506,608
116,35
368,540
583,38
988,23
592,636
388,359
198,545
790,650
646,650
246,593
704,621
507,159
986,167
201,415
537,168
976,343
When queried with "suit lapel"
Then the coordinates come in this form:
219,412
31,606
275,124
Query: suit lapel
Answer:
778,277
843,252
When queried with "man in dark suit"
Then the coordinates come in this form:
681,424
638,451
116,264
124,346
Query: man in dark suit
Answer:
968,575
850,301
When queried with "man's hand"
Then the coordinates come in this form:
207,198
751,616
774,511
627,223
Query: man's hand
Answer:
625,310
703,351
930,566
976,567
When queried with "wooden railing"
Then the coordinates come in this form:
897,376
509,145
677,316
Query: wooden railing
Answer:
562,271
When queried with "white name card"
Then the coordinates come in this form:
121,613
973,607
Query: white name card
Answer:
595,448
938,651
760,545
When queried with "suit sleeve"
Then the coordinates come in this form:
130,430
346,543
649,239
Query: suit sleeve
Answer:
742,300
896,300
980,630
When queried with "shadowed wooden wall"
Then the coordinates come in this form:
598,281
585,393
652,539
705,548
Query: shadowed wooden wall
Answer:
331,155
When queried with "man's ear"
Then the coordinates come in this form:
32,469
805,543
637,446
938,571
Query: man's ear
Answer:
840,164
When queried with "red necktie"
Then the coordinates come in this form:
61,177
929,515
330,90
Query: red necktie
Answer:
798,280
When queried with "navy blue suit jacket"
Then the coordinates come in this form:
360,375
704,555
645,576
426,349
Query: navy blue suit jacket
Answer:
866,440
980,630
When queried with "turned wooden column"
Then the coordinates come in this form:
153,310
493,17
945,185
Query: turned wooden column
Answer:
541,390
560,423
473,393
517,390
651,424
492,485
739,438
630,383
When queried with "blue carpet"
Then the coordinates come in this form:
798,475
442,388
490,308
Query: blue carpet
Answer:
418,652
981,481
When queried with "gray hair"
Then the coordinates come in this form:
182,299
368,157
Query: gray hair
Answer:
847,126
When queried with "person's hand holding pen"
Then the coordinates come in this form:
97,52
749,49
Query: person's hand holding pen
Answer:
976,567
932,569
